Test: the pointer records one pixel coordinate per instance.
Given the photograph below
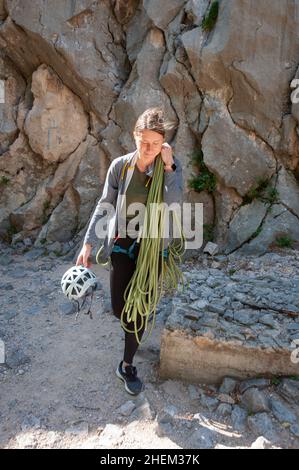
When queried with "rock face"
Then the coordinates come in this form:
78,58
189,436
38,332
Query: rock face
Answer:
56,124
77,76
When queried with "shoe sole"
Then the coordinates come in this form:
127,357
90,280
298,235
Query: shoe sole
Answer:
121,378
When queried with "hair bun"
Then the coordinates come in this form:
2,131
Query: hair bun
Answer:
153,119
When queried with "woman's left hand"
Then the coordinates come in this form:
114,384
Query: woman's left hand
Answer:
166,154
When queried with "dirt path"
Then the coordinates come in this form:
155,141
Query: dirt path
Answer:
69,379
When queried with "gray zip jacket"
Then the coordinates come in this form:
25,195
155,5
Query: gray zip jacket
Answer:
117,181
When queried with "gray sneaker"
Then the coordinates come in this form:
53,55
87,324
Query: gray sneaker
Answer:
133,384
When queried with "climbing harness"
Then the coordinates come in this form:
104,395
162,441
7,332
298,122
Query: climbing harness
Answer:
130,250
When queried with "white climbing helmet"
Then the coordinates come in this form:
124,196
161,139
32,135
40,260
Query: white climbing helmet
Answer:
76,281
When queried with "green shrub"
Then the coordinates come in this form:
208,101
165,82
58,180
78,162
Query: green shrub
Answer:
12,230
284,241
275,381
257,232
4,180
271,195
45,216
46,205
231,271
263,191
204,179
210,19
57,253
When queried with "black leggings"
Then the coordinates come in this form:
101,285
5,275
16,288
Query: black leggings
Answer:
122,268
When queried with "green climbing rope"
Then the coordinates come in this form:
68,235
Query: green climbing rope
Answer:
145,288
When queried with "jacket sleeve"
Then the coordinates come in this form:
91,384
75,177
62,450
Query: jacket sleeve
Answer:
173,184
109,195
172,192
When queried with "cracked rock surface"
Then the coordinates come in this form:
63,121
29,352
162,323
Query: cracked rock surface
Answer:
77,76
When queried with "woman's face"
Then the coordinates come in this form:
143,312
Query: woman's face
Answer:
149,144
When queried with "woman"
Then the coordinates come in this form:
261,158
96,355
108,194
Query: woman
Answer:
130,175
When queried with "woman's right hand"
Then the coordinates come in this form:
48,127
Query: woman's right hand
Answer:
83,257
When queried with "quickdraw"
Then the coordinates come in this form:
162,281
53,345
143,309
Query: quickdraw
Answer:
79,308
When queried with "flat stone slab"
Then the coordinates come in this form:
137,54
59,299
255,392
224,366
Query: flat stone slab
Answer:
204,360
232,324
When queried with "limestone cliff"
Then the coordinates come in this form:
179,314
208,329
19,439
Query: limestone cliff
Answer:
76,75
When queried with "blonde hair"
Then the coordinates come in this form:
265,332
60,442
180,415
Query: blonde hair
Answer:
154,120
